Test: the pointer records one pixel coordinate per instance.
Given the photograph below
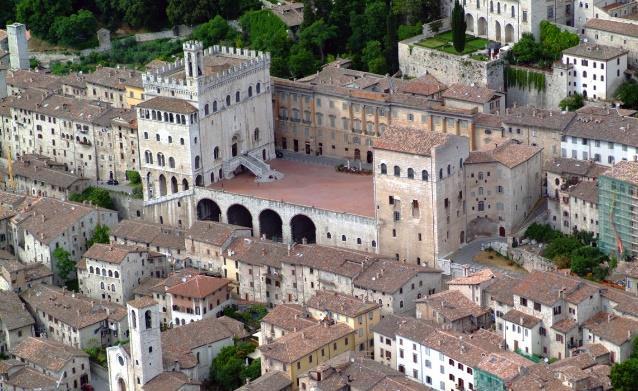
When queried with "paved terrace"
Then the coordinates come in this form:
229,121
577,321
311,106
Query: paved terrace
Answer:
309,185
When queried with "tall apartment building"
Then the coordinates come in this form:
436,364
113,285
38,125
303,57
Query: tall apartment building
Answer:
204,117
419,193
617,202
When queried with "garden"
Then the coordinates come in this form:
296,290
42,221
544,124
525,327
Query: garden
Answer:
444,42
577,252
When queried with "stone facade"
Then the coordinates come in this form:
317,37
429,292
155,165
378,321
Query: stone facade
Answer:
556,87
421,210
183,124
415,61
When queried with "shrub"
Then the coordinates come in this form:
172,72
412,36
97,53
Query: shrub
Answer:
133,177
542,233
408,31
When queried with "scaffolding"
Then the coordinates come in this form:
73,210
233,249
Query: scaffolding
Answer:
485,381
618,217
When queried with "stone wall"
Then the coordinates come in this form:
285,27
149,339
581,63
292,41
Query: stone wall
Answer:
430,29
555,89
177,31
416,61
526,259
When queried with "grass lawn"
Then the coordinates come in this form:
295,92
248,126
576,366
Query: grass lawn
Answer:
443,42
492,258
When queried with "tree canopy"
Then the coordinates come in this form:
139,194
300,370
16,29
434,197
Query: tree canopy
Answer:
458,27
572,102
100,235
64,264
228,369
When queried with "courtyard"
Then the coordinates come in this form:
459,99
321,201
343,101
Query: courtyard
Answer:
443,43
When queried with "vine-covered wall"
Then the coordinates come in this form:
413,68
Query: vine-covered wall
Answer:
524,78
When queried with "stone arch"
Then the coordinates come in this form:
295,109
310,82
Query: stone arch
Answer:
199,180
148,319
208,209
185,184
239,215
501,231
469,21
174,185
162,185
482,26
121,386
302,227
497,31
270,225
509,33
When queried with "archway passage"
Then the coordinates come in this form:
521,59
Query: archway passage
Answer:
208,210
482,26
497,27
303,228
501,231
270,225
469,21
509,33
121,386
239,215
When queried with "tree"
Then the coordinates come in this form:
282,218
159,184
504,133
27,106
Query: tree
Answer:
76,30
228,366
627,93
149,14
109,13
572,102
458,27
373,57
376,15
623,376
64,264
214,31
526,50
391,42
95,196
316,35
7,11
100,235
301,62
39,15
554,40
191,11
561,246
251,372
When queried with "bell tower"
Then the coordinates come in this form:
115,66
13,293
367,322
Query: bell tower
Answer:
145,340
193,59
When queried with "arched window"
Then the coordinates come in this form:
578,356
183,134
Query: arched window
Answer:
374,243
181,141
197,162
216,153
102,285
206,109
160,159
440,173
358,240
461,163
110,273
258,87
148,157
112,288
184,184
384,168
237,96
116,274
171,162
170,139
343,238
410,173
227,100
513,12
397,171
584,73
91,270
449,169
214,106
329,235
425,176
256,135
133,319
250,91
147,319
104,272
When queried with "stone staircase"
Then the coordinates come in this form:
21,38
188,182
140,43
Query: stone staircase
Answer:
262,170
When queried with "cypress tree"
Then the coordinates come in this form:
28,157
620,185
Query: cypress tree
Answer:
458,27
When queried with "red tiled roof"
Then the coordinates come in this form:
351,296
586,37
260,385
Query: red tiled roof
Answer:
199,286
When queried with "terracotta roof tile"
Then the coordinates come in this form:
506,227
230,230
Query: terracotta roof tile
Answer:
452,305
178,343
269,381
521,319
168,104
199,286
169,381
469,93
410,140
112,253
46,353
624,171
567,166
509,153
340,303
613,26
289,317
479,277
293,346
595,51
13,313
546,287
612,328
212,232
